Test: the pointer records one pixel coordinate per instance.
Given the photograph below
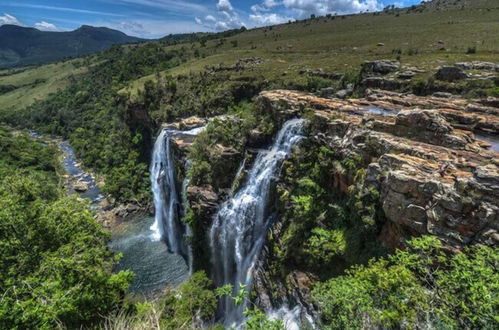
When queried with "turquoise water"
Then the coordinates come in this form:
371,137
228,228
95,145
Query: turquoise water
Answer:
155,268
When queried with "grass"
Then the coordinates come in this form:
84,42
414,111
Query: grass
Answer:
340,44
37,83
427,38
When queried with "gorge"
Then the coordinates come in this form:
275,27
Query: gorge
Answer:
340,171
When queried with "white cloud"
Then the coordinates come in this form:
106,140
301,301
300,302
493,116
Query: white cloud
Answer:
226,18
210,18
258,8
130,27
270,3
9,19
178,6
198,20
322,7
150,28
269,19
224,6
66,9
45,26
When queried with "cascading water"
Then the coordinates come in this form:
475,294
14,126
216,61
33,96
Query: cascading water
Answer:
167,200
167,204
239,228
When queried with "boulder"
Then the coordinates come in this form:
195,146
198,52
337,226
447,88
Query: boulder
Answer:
450,73
80,186
406,74
380,66
326,92
343,93
124,210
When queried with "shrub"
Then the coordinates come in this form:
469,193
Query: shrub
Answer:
471,50
421,284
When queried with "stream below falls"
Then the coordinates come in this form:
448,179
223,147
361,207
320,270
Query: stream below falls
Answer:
153,265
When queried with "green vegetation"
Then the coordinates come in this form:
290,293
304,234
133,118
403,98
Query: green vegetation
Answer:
56,267
420,285
329,221
209,166
111,104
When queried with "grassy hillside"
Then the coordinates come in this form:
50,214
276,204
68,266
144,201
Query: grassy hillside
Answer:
111,104
27,86
426,36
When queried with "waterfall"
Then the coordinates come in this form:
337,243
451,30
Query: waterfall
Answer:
167,202
239,228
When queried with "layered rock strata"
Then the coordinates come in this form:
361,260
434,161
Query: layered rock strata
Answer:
434,175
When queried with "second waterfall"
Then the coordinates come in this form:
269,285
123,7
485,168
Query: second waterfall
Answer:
239,228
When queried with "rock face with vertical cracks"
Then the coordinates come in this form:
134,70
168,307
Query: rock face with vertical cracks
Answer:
433,173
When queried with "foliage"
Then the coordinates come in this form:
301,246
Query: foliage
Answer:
191,305
256,320
208,164
421,284
56,266
325,230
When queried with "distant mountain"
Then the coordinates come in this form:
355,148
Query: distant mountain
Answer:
23,45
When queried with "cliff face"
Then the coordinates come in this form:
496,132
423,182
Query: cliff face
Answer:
434,175
423,154
426,156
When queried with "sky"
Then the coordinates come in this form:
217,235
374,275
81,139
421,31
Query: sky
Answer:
157,18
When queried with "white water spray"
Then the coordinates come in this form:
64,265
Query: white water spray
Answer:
239,228
167,200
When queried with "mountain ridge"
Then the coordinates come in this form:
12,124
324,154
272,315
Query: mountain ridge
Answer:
21,46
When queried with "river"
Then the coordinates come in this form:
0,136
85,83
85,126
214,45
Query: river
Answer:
155,268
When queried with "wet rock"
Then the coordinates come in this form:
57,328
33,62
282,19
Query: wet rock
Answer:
124,210
381,66
203,199
450,73
80,186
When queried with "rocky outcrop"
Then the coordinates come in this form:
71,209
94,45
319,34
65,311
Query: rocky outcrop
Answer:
381,66
450,73
186,124
434,177
204,200
478,65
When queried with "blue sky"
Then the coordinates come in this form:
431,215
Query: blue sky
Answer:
155,18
